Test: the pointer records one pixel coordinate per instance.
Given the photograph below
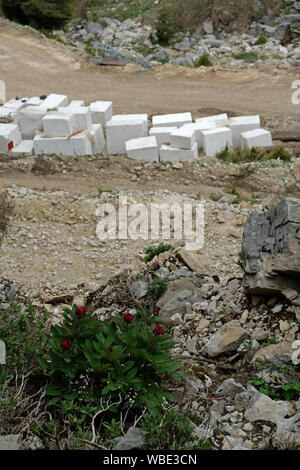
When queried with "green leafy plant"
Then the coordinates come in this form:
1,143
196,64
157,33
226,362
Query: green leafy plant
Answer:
127,356
261,40
249,57
240,155
173,431
288,391
166,25
152,251
204,60
157,287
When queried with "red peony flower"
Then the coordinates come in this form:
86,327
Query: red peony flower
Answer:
65,344
80,311
128,318
110,348
10,145
158,330
156,310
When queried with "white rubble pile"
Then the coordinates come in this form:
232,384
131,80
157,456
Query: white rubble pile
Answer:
51,125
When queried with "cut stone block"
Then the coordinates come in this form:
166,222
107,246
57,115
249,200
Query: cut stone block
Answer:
162,134
218,120
101,112
9,136
183,138
256,138
24,148
29,120
144,148
215,140
241,124
34,101
170,154
16,105
82,116
76,104
78,144
97,138
198,127
132,117
7,113
53,101
59,124
118,132
168,120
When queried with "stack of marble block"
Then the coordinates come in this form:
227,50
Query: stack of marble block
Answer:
175,137
53,126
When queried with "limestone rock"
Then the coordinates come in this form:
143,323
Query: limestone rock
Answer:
177,295
228,338
11,442
275,352
229,388
133,439
271,247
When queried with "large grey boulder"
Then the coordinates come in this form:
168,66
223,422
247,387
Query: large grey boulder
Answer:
271,249
178,294
227,339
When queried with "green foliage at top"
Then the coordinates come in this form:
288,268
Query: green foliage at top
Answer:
204,60
121,357
166,25
241,155
46,14
172,432
261,40
152,251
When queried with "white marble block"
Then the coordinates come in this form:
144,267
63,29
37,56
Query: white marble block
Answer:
198,127
170,154
132,117
53,101
58,124
78,144
215,140
24,148
82,116
29,120
168,120
144,148
101,112
162,134
218,120
183,138
10,137
118,132
256,138
97,138
241,124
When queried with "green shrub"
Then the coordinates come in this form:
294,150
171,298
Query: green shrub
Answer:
173,431
249,57
204,60
46,14
157,287
241,155
90,360
166,25
261,40
152,251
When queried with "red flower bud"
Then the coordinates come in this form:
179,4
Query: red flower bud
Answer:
156,310
65,344
158,330
10,145
128,318
80,311
110,348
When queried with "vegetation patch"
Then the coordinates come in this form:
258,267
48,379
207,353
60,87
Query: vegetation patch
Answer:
255,154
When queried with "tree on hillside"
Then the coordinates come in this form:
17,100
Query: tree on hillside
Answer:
39,13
